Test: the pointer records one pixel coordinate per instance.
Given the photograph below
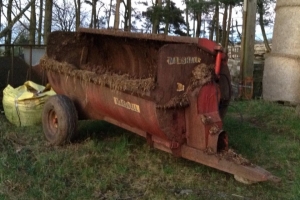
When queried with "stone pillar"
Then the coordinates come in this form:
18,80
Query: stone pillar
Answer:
281,79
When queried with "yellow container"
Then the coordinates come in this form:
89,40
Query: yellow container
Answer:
23,105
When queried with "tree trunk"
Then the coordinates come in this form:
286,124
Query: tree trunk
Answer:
40,22
167,18
212,30
199,20
127,19
77,4
109,14
247,49
187,18
194,25
9,32
93,14
129,14
224,25
1,10
261,24
217,23
48,19
117,15
228,29
32,26
237,29
156,16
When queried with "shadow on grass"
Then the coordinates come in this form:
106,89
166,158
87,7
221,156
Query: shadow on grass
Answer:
98,131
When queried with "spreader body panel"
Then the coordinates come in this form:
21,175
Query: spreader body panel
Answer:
174,91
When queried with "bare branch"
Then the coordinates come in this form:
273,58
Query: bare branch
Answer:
17,17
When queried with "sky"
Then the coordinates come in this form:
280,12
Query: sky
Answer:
237,15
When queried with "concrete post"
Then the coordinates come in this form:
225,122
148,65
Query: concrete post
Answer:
281,79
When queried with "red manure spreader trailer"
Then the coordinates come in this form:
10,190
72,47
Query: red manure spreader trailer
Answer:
174,91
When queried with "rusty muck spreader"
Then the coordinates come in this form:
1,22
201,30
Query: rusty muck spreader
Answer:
174,91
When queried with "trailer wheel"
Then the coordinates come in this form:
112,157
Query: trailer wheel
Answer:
59,120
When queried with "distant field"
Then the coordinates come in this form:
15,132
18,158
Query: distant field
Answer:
107,162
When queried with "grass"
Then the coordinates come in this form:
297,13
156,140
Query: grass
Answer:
107,162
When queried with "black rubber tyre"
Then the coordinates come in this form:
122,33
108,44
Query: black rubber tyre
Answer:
59,120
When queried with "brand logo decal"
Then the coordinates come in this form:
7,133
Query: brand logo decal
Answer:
126,104
183,60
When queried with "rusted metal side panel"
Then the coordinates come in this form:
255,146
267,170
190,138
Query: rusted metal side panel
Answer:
176,63
96,102
195,130
203,120
208,111
171,65
172,123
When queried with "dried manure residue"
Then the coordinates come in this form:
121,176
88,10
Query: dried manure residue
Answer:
121,64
